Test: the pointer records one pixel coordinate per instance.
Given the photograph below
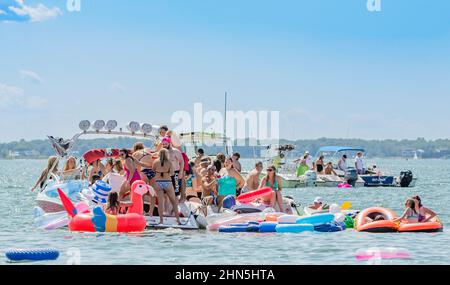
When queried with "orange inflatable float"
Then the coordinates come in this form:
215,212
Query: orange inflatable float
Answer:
273,217
99,221
362,224
434,225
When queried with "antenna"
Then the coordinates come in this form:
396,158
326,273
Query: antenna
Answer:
225,126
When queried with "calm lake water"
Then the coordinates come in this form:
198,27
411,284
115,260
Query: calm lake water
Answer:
202,247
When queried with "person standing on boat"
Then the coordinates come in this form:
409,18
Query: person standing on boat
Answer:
230,182
342,164
219,162
163,183
200,156
131,172
177,160
359,163
273,181
306,160
252,181
144,161
320,165
309,160
237,165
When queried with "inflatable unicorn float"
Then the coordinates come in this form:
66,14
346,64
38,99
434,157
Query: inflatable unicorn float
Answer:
82,220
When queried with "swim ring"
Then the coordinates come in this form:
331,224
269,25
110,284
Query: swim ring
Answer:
384,226
32,254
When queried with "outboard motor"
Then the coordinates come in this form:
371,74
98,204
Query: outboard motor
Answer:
406,177
351,176
311,178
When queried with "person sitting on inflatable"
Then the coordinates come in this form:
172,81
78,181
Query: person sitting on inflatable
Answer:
425,214
318,204
377,218
274,181
410,213
113,205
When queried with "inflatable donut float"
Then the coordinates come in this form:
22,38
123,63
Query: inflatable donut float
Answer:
384,226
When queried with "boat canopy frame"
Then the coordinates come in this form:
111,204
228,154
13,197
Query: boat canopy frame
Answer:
338,149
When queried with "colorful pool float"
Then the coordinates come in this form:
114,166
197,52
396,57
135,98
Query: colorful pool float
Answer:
253,195
99,221
294,228
330,227
384,226
433,226
316,220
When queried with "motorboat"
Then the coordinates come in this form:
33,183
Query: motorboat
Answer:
291,174
373,176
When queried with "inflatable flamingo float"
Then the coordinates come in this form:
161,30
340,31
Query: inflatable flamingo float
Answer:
99,221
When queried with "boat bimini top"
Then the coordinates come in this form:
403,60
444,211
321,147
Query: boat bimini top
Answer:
334,150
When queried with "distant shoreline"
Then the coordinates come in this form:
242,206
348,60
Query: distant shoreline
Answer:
402,149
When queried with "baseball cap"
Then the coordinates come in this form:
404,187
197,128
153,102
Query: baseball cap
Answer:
318,200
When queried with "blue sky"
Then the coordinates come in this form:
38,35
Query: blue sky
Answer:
332,68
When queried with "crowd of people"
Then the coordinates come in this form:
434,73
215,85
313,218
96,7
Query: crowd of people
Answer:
328,168
174,177
202,179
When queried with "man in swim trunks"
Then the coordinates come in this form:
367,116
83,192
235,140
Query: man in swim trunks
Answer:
252,181
177,160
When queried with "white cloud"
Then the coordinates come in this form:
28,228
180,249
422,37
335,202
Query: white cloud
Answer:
9,95
117,87
2,12
12,97
31,75
38,13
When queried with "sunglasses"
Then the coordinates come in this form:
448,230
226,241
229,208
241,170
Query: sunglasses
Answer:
269,170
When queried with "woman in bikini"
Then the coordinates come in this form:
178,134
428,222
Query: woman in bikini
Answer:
273,181
131,172
410,214
320,165
163,184
230,182
144,161
97,169
425,214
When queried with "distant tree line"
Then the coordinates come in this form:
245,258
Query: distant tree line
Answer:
374,148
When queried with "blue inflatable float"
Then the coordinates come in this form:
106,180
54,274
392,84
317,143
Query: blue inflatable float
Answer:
330,227
294,228
32,254
239,228
316,220
268,227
